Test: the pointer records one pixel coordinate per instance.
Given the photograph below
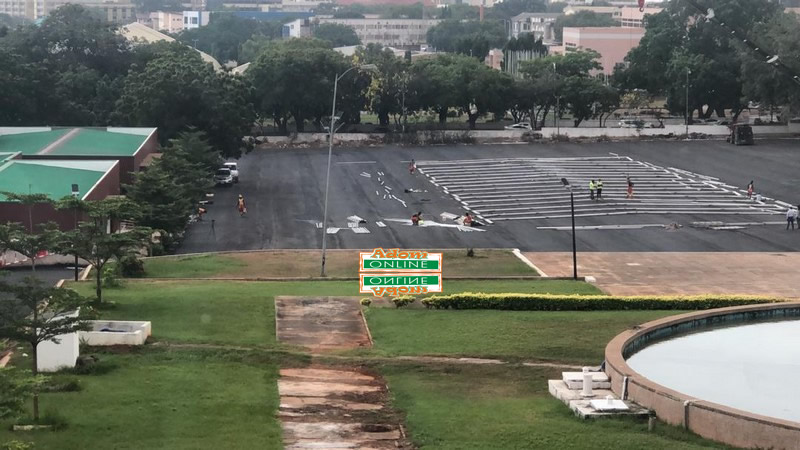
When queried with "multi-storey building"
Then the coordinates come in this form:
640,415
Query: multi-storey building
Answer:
388,32
538,24
15,8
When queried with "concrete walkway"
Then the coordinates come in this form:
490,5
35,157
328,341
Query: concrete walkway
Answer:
676,273
321,323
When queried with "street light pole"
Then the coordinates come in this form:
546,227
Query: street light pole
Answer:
687,102
331,131
76,195
574,246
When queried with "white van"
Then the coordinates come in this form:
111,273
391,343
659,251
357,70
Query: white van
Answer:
234,170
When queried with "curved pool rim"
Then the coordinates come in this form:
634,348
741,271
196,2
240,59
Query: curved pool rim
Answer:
711,420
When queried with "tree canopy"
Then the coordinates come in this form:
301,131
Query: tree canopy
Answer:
471,38
337,34
582,19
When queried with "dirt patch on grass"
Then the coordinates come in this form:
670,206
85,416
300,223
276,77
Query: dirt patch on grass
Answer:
321,323
337,407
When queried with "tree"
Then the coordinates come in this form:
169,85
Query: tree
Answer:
276,74
69,68
708,50
92,241
462,82
389,85
510,8
550,76
472,38
225,34
37,313
15,237
176,91
764,83
582,19
253,47
15,388
337,34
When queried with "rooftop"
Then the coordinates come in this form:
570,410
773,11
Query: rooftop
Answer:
73,141
53,178
6,156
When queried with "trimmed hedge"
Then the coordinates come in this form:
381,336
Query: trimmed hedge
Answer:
551,302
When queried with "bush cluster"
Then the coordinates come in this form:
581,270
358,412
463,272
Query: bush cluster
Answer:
551,302
403,300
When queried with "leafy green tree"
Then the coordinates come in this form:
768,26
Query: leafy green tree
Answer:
253,47
588,97
36,313
15,388
764,83
276,79
582,19
389,85
337,34
510,8
462,82
177,91
166,194
459,11
225,34
15,237
549,76
68,68
472,38
709,51
93,242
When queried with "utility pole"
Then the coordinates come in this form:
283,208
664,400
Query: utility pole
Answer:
687,102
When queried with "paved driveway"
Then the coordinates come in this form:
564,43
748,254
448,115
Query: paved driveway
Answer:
673,273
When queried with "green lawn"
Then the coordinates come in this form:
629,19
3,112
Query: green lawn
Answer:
564,336
469,407
243,313
166,399
305,263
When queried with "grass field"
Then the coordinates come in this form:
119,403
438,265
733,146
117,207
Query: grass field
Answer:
243,313
575,337
485,407
159,399
339,263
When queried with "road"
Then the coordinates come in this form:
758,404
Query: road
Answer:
284,190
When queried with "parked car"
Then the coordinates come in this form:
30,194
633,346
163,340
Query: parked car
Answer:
631,123
223,177
234,168
520,126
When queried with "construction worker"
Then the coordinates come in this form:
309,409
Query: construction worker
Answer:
599,186
591,189
241,206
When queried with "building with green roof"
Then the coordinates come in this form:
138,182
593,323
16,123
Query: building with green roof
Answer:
94,180
129,146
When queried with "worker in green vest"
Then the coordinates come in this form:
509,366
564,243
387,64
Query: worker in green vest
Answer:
591,189
599,186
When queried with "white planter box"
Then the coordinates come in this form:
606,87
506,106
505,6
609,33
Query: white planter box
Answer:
116,332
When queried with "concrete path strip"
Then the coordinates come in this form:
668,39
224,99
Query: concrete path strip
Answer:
337,408
321,323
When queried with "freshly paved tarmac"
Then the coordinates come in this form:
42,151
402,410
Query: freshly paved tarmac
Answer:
284,190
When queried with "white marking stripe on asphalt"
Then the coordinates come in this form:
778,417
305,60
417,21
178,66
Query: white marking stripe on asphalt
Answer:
530,188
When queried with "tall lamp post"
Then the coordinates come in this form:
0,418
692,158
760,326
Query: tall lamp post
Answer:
572,208
76,194
688,71
331,131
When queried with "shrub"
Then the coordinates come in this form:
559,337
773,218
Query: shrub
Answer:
16,445
68,384
550,302
366,302
403,300
131,267
109,276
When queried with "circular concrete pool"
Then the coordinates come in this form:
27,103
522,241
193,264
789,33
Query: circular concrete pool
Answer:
731,374
753,367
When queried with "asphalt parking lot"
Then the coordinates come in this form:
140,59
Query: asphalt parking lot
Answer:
284,191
